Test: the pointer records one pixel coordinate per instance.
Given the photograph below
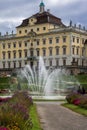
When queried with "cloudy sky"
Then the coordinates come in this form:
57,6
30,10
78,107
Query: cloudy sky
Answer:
12,12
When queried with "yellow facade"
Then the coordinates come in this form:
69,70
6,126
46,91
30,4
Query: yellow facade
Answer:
59,45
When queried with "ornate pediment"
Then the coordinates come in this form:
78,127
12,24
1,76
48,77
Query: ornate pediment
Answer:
31,33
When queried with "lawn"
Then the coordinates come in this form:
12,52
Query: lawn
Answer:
76,108
35,118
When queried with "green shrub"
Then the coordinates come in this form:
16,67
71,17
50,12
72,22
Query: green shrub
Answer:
83,101
77,99
73,96
4,79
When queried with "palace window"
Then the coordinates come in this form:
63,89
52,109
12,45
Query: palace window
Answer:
64,50
9,55
83,51
77,40
38,42
14,64
14,45
38,52
9,64
82,62
25,62
3,64
25,53
3,46
50,62
83,41
20,64
20,54
20,31
31,30
44,41
77,50
50,41
31,20
44,28
64,39
31,53
4,55
57,40
50,52
37,29
64,61
73,50
20,44
57,62
44,52
25,44
73,39
25,31
14,54
57,50
9,45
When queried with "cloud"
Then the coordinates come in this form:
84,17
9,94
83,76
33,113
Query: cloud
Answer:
12,12
52,3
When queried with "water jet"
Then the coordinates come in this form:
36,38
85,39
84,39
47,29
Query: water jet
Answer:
46,84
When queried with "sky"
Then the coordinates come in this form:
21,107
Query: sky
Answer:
12,12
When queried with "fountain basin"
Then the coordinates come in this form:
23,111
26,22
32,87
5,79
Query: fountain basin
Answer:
49,97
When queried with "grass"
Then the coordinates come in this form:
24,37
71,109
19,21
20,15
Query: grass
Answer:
75,108
48,100
35,118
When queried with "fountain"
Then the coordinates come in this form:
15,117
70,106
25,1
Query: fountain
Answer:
43,83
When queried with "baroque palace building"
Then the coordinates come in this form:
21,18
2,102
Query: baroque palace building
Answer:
44,34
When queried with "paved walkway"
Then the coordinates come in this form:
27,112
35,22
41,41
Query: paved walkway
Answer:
55,117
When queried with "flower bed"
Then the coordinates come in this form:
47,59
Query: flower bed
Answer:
3,128
14,112
4,99
77,99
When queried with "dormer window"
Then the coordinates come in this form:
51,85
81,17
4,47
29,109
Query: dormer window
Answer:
31,30
44,28
25,31
20,32
37,29
31,20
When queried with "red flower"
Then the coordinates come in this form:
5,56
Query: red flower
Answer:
3,128
76,101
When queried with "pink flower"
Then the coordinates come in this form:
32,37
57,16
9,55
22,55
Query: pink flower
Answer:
3,128
76,101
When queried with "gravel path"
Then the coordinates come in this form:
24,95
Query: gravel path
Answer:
55,117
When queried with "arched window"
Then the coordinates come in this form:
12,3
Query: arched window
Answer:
50,51
64,50
14,54
9,54
57,50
